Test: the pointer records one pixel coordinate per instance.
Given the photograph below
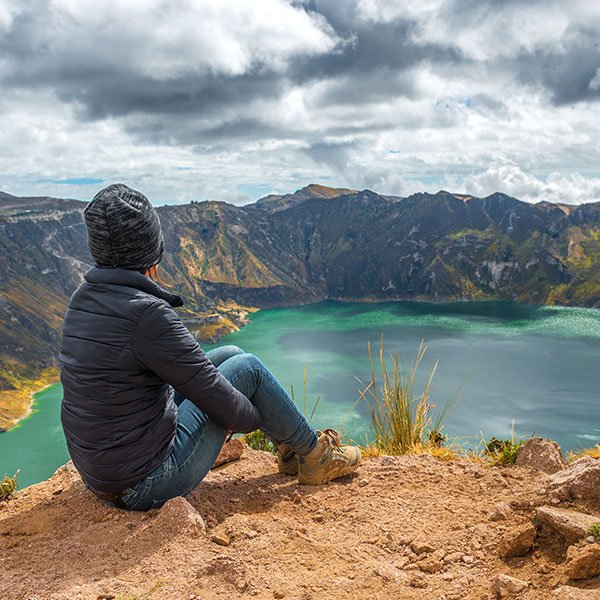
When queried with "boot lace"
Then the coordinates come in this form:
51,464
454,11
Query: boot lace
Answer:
334,436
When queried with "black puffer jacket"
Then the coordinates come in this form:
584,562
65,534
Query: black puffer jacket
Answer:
123,348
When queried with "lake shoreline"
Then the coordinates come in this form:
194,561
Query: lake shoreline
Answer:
238,317
23,398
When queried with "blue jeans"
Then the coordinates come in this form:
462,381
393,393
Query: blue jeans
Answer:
199,439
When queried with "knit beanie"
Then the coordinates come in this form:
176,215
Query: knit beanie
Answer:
123,229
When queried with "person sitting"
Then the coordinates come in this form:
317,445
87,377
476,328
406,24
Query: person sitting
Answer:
145,411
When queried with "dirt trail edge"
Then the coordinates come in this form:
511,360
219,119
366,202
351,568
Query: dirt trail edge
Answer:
402,527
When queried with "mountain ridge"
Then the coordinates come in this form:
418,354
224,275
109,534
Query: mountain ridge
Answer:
315,244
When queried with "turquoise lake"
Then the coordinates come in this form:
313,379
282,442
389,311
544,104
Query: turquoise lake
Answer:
506,361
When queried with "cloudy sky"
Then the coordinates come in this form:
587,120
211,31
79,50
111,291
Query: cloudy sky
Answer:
234,99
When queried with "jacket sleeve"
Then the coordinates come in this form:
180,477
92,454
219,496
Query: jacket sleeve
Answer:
164,345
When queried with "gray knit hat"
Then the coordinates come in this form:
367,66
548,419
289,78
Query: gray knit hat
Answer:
123,229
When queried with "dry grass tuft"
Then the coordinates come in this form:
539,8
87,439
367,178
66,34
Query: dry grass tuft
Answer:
593,452
401,418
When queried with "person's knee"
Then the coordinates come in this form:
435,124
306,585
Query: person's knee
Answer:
231,350
245,364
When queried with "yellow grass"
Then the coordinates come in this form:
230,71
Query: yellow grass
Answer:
593,452
15,404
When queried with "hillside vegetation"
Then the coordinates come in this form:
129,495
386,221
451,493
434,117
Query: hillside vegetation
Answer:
318,243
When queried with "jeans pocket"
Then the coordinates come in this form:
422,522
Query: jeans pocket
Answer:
132,495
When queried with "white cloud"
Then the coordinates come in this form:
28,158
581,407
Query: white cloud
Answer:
165,40
557,187
192,99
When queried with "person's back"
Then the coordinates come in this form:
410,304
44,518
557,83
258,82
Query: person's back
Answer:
119,418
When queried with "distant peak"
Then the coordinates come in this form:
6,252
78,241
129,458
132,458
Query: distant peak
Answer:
317,190
313,191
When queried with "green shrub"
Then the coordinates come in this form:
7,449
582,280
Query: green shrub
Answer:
594,530
257,440
503,452
8,486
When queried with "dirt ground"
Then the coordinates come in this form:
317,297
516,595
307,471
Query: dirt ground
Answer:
403,527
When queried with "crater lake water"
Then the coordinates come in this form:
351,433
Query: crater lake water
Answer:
536,365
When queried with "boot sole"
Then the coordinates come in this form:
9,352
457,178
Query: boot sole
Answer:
289,467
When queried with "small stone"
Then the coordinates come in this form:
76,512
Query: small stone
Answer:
363,482
453,557
541,454
431,564
177,515
418,581
467,559
518,541
57,491
569,524
583,563
590,539
222,539
505,586
421,547
389,572
278,594
500,512
319,518
230,451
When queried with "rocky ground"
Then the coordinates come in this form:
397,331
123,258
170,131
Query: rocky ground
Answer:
402,527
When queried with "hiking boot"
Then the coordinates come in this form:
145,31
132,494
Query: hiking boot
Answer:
287,460
327,460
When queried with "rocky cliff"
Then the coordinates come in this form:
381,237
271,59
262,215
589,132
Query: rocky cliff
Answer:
314,244
409,527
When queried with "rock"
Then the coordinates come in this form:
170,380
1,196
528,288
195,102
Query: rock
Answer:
421,547
178,516
500,512
572,525
431,564
418,581
222,539
453,557
566,592
541,454
231,450
518,541
583,563
580,482
505,586
388,572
